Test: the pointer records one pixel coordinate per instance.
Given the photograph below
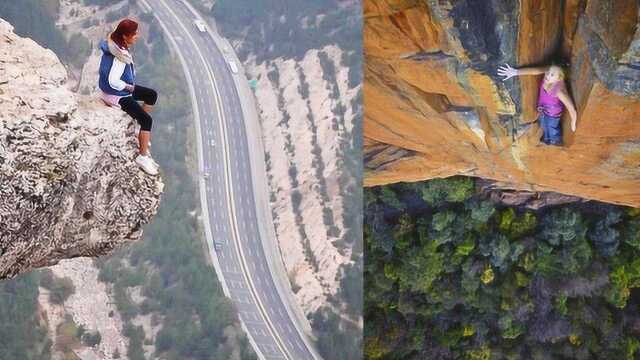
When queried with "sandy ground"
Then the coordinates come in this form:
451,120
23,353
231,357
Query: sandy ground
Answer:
89,306
311,124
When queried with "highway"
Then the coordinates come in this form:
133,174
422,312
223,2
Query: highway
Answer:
228,195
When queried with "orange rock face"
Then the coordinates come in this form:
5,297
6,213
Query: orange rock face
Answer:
435,107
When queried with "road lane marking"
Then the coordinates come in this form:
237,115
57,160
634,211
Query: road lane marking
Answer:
230,188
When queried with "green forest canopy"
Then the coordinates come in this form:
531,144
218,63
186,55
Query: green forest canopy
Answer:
449,275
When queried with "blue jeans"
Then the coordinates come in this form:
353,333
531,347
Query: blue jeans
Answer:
551,129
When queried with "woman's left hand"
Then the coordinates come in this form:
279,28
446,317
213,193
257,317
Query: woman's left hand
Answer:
573,125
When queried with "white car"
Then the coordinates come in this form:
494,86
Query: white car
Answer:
217,245
233,66
213,144
200,25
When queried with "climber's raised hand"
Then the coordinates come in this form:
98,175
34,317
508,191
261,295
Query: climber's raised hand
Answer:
507,71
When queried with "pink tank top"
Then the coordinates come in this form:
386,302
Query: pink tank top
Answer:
548,102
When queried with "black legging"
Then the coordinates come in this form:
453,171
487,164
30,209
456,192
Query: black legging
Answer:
130,105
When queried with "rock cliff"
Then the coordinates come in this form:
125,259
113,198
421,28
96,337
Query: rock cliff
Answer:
68,183
435,107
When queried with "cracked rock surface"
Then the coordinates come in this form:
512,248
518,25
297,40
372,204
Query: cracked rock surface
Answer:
434,105
68,184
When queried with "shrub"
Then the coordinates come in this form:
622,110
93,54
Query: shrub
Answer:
61,290
92,340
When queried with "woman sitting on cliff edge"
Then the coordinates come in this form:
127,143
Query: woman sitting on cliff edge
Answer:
553,94
117,82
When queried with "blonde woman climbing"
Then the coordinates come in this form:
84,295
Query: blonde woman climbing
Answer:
552,99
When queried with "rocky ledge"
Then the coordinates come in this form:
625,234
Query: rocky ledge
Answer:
68,184
435,107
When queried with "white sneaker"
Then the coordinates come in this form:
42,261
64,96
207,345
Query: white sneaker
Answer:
157,166
154,162
149,154
146,163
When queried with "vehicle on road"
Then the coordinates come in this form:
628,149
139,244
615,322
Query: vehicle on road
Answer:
205,175
200,25
213,143
233,66
217,245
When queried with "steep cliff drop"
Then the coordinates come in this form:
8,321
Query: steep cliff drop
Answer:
68,183
435,107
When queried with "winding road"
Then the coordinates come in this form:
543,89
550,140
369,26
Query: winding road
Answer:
233,190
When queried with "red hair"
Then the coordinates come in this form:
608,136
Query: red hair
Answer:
126,27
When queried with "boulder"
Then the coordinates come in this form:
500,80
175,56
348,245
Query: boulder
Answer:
68,184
